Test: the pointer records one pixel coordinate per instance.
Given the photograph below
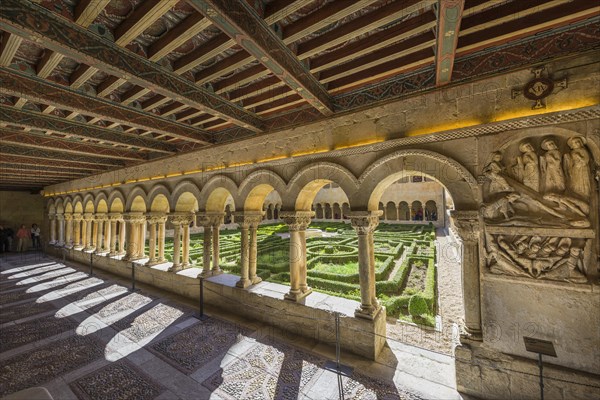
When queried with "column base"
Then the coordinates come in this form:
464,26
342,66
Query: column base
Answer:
367,313
215,272
243,283
60,244
52,242
101,252
112,254
175,268
470,334
68,246
296,296
151,263
78,247
89,248
256,279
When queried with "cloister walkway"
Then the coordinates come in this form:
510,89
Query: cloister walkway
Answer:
91,337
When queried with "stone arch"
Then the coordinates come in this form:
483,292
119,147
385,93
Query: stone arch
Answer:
417,210
116,201
327,212
319,211
256,187
215,193
459,182
68,206
345,210
77,204
189,187
337,211
157,196
431,210
186,202
137,200
89,203
100,196
59,206
102,206
306,183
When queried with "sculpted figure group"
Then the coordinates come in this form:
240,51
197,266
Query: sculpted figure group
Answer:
543,188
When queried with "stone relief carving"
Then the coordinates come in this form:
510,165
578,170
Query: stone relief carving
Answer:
537,210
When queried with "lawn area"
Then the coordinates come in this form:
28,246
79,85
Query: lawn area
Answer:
404,263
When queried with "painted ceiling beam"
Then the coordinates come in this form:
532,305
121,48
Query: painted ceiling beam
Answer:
6,167
41,141
241,22
8,48
57,34
35,120
55,156
32,161
449,17
145,14
16,83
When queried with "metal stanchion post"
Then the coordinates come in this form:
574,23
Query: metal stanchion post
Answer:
336,366
201,316
132,276
91,264
541,376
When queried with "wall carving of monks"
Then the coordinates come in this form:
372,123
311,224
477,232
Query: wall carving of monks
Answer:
536,212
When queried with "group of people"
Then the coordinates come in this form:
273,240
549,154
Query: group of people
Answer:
23,236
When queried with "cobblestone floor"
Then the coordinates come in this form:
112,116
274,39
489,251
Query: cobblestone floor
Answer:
85,337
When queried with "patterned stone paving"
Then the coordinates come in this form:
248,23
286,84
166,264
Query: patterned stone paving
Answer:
117,381
198,344
267,371
150,322
14,336
8,314
15,275
132,302
42,364
14,296
85,300
362,387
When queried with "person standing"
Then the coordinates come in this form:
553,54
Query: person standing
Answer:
22,234
3,240
35,236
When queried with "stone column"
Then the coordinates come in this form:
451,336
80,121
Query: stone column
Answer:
217,221
297,222
364,223
114,218
94,232
89,219
161,239
181,240
141,243
52,218
61,229
69,230
100,218
153,222
206,223
468,227
122,234
248,221
107,235
77,242
133,223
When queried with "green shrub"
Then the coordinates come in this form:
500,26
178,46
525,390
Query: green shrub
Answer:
417,305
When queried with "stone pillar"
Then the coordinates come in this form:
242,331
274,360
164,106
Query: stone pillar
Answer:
157,239
114,218
122,234
246,220
161,239
52,218
468,227
297,222
77,242
181,240
61,229
205,221
107,235
217,221
133,221
253,253
364,223
100,218
89,219
69,230
141,243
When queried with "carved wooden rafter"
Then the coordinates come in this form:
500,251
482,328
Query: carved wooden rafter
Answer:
40,141
70,39
251,32
28,119
58,156
32,161
34,89
449,17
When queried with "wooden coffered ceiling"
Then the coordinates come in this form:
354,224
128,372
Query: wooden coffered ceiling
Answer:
92,85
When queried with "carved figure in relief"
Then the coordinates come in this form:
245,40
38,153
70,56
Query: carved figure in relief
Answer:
577,169
493,171
501,207
527,169
551,168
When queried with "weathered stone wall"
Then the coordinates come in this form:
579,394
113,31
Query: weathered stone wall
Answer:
18,208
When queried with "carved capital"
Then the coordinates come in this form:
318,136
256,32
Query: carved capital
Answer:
247,219
115,217
68,216
182,219
77,216
60,217
466,224
51,216
156,217
210,218
364,222
101,217
135,218
88,217
296,220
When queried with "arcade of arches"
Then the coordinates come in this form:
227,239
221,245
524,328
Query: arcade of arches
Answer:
515,189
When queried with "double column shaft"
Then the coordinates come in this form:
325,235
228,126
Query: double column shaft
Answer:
248,221
181,240
297,222
211,223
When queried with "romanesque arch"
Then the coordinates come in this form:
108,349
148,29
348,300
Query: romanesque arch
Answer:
215,193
